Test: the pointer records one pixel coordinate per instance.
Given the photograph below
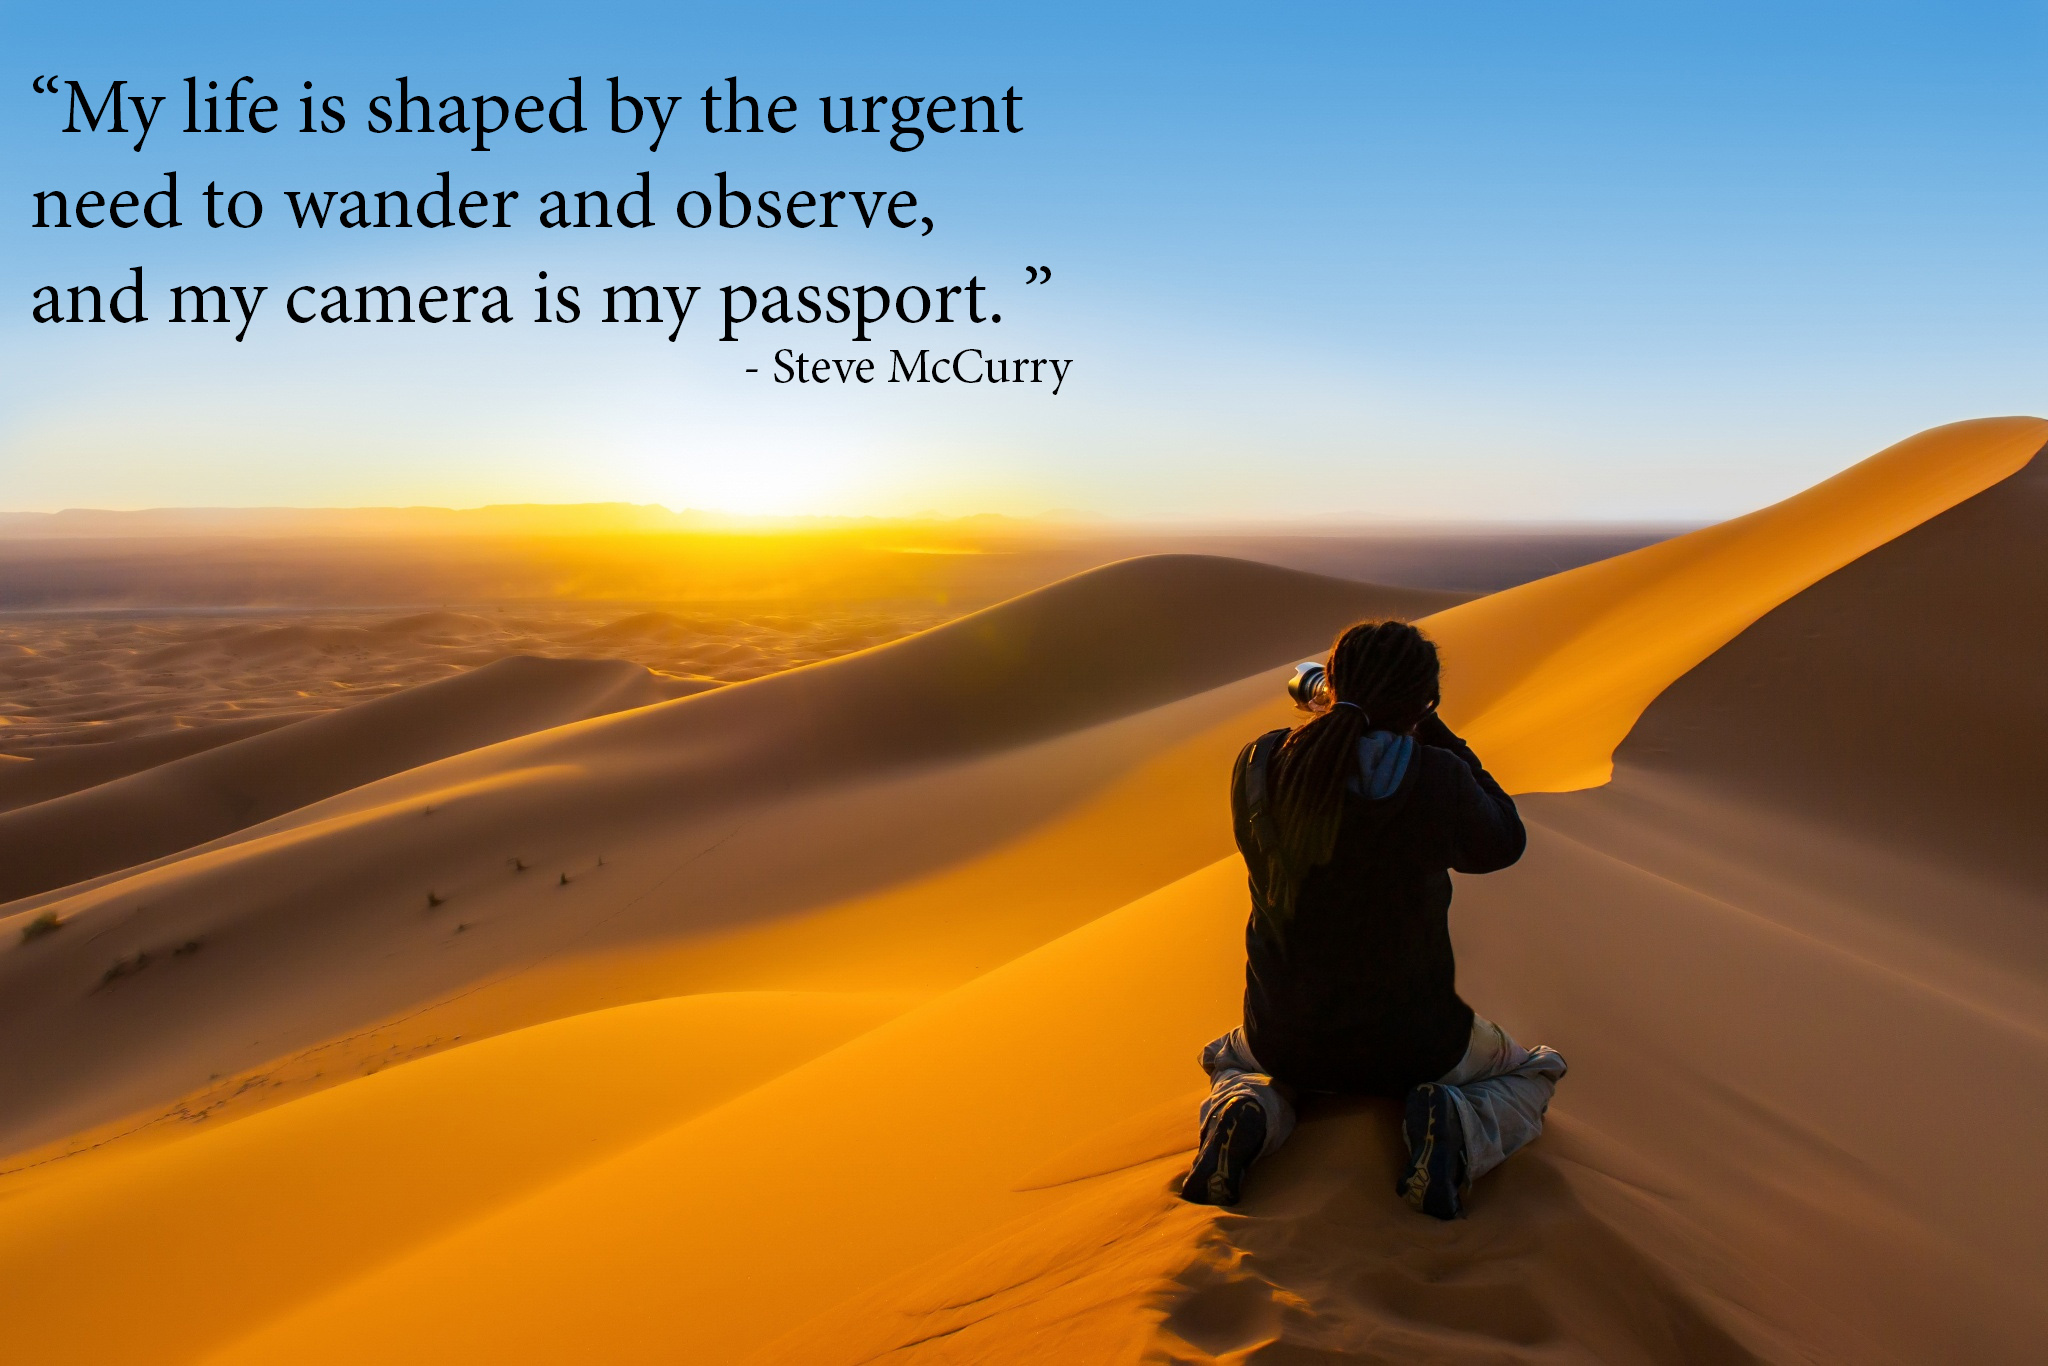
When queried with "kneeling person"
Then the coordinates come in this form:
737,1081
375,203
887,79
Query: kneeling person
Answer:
1350,825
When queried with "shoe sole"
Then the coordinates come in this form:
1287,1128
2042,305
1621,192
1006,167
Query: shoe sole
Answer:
1415,1185
1218,1187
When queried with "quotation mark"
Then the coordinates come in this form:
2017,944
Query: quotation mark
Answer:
1037,275
44,85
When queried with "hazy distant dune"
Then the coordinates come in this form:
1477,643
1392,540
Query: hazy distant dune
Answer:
92,678
121,625
956,566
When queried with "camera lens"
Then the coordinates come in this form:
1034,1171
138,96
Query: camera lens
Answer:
1306,683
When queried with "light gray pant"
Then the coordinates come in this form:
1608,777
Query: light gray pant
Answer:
1500,1089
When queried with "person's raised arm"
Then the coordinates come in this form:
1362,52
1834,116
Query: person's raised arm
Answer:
1486,830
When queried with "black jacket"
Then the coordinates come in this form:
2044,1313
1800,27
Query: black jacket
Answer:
1354,989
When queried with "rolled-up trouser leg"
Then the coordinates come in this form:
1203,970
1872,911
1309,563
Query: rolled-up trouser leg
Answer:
1233,1071
1501,1090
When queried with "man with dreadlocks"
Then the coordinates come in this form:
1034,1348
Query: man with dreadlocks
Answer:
1350,825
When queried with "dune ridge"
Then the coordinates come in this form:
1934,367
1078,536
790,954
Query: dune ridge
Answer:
1720,1184
200,797
26,780
1928,641
1571,661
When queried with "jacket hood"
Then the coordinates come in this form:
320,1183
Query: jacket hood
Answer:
1383,759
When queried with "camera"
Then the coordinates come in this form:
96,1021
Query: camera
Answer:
1306,687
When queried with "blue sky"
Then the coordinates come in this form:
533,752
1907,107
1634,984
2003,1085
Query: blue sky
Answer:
1489,261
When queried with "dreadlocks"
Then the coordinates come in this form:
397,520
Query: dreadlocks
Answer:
1381,675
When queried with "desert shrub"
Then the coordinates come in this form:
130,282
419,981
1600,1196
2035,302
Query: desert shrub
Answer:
125,967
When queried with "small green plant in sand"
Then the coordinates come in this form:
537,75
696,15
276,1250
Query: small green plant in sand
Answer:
46,923
125,967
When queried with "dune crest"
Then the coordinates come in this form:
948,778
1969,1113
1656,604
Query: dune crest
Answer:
57,772
1547,678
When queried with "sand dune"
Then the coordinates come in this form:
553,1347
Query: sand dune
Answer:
938,928
1564,666
200,797
27,779
1848,876
1931,642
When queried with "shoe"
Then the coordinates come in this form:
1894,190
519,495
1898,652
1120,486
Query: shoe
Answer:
1234,1142
1436,1154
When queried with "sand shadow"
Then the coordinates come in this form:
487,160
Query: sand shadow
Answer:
1322,1262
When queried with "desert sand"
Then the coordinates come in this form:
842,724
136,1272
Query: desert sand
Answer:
99,678
849,1012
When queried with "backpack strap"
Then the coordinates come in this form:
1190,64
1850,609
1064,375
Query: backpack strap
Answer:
1258,764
